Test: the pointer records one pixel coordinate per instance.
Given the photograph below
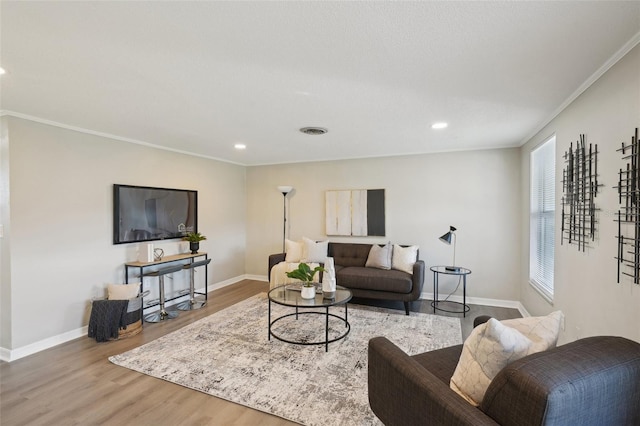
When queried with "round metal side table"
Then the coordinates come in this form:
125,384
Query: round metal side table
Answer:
450,270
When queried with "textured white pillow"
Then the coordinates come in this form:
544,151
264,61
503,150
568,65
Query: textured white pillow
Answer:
293,250
542,331
487,350
314,252
122,291
379,257
403,258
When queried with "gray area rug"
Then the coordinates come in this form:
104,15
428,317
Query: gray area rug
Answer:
227,355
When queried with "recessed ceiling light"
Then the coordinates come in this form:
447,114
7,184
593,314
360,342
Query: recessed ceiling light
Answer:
440,125
2,71
240,146
314,130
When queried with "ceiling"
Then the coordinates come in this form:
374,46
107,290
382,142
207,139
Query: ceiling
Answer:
199,77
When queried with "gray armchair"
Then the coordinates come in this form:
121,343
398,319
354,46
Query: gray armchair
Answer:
592,381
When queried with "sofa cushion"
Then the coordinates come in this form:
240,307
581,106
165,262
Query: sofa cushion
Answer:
487,350
379,257
374,279
349,254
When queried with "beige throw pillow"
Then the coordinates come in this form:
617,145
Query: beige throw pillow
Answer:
293,250
123,291
379,257
487,350
542,331
403,258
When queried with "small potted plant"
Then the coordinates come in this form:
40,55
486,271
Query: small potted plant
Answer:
194,239
305,274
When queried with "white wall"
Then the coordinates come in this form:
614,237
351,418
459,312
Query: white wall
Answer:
5,255
586,287
61,221
476,191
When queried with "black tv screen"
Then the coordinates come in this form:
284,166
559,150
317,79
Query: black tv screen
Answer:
143,213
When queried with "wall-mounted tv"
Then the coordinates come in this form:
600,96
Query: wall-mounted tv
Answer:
142,213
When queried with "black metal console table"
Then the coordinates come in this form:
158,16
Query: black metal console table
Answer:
450,270
184,259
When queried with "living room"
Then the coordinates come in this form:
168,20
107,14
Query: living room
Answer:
56,212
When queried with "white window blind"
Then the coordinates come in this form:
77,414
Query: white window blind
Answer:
542,224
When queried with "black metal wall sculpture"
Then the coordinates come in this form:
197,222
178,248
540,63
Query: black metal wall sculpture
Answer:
579,187
629,214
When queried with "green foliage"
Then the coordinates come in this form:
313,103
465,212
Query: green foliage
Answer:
194,237
304,273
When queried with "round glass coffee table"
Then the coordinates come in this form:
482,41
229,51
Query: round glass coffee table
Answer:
289,295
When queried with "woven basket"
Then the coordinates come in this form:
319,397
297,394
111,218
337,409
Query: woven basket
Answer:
131,330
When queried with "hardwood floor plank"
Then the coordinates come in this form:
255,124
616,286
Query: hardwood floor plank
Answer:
74,383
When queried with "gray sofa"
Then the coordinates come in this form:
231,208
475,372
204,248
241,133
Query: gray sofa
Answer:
592,381
371,283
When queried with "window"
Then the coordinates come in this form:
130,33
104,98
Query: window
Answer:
542,219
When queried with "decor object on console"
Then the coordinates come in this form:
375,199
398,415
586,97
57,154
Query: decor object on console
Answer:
284,189
355,212
158,254
591,381
580,188
628,186
366,282
305,274
194,239
446,238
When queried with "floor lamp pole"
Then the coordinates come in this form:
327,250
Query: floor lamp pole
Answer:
284,189
284,218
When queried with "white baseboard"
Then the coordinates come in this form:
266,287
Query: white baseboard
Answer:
9,355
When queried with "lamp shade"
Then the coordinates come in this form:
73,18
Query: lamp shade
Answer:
446,238
285,189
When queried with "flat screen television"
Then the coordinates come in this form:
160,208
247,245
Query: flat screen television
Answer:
142,213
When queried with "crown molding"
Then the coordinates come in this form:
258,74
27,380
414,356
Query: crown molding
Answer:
584,86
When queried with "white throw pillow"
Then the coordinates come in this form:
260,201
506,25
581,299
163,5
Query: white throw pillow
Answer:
123,291
314,252
379,257
487,350
293,250
542,331
403,258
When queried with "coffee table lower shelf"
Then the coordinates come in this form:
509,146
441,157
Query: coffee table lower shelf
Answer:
326,340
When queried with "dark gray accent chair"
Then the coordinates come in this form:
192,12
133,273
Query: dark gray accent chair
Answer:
592,381
369,283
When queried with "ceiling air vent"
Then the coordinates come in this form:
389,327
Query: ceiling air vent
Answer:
314,130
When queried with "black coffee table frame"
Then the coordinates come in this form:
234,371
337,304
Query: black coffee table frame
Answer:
292,299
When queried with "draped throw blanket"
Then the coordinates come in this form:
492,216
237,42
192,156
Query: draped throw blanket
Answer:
107,317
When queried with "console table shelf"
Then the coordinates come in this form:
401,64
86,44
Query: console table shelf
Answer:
184,259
